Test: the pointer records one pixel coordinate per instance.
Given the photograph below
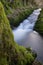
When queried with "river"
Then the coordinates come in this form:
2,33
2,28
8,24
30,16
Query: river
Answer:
26,36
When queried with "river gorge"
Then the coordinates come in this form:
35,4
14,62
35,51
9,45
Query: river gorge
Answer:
25,35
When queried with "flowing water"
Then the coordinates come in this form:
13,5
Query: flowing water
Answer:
26,36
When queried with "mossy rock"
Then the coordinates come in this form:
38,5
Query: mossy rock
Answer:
10,52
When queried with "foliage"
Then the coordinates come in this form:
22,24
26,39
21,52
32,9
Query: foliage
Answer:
19,15
17,10
39,23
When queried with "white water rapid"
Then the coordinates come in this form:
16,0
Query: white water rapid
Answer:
26,26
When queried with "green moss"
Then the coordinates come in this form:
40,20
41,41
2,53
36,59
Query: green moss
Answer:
39,23
10,52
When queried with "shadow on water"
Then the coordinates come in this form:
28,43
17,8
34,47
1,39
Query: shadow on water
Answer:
35,41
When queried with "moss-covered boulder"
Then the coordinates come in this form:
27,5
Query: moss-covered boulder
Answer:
39,23
10,52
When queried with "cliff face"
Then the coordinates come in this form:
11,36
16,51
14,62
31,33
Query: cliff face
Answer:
39,3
